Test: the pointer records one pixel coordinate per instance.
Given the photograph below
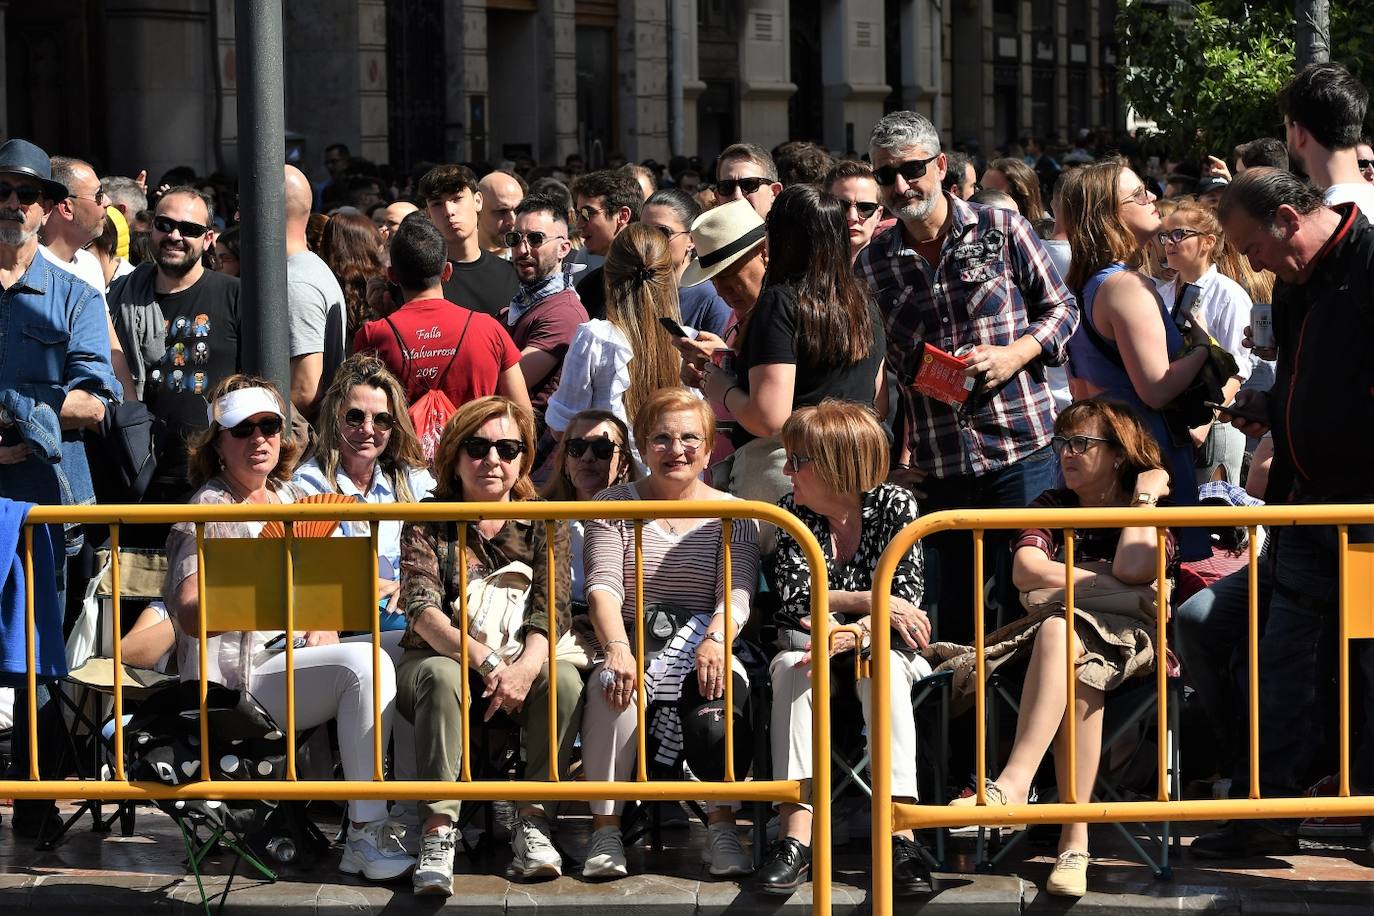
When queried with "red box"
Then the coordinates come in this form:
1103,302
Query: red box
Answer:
941,376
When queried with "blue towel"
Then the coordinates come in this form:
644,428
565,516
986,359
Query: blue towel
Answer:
50,652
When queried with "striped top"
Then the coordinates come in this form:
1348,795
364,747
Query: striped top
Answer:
684,570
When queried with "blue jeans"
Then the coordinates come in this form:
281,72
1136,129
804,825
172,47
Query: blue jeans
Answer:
949,554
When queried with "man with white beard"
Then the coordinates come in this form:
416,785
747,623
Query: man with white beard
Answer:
978,284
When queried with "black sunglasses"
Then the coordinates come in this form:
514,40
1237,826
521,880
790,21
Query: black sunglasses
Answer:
535,239
506,449
586,213
911,170
28,195
1362,163
669,234
866,208
269,427
1077,445
382,421
728,187
188,230
602,448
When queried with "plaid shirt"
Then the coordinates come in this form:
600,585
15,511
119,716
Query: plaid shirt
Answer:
994,284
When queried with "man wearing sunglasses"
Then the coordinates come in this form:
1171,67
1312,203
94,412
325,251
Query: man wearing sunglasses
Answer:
179,326
953,276
1323,118
605,203
747,171
852,182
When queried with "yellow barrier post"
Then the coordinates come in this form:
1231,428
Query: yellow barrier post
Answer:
377,765
31,649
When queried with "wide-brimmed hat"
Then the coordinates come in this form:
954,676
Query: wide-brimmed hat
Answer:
20,157
722,236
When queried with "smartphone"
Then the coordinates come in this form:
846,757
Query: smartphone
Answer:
1253,416
278,643
677,330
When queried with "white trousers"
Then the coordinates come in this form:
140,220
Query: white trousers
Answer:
335,682
792,717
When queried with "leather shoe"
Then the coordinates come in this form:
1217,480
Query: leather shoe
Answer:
786,866
1243,840
910,873
36,819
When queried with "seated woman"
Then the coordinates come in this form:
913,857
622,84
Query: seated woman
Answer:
367,449
837,458
484,456
684,637
245,457
1108,458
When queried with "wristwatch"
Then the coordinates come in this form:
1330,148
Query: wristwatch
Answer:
716,636
489,664
1146,499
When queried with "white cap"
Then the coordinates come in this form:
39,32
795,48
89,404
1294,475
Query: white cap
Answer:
237,406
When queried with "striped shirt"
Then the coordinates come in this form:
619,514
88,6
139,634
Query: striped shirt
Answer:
994,283
684,570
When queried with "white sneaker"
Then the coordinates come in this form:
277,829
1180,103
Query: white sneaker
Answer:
724,852
405,821
605,855
434,873
535,855
375,852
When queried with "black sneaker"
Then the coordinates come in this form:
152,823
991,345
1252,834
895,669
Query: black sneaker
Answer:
910,873
1243,840
36,819
786,866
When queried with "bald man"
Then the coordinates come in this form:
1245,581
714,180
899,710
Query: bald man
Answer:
392,215
314,305
501,194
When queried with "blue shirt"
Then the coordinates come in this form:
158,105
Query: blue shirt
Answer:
702,308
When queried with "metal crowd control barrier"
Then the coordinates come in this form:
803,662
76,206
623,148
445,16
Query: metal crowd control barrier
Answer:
330,583
1356,622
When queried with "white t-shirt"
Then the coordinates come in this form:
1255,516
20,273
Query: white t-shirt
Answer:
1225,309
1361,192
85,266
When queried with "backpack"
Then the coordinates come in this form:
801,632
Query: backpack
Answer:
432,410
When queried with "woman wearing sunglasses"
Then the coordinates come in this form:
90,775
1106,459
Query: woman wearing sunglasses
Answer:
685,631
1126,342
672,212
837,459
245,457
616,363
1109,459
485,456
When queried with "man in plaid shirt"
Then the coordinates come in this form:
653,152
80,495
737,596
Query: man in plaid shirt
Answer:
952,276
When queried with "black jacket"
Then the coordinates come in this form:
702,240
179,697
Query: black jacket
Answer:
1321,408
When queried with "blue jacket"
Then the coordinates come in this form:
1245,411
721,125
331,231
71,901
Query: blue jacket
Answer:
50,651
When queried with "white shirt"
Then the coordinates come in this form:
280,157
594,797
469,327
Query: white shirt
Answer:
1225,309
596,375
84,266
1361,192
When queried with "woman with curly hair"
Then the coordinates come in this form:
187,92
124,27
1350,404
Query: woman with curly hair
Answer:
352,248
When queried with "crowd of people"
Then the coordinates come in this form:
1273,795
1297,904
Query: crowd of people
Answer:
854,339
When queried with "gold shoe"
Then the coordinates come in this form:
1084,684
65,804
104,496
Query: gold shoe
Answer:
996,798
1070,875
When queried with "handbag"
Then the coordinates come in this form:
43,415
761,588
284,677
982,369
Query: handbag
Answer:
1104,595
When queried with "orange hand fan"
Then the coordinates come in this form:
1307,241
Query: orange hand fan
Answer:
314,528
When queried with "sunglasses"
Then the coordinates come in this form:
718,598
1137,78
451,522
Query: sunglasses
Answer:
865,208
669,234
1364,164
188,230
382,421
1141,195
602,448
533,239
1176,236
910,170
586,213
27,193
506,449
1076,445
728,187
269,427
796,462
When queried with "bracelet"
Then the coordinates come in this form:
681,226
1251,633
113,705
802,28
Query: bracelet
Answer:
613,642
725,398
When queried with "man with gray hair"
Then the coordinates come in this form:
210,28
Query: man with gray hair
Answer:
126,195
975,283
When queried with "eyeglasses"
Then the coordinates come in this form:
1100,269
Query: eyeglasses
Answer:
1076,445
534,239
506,449
99,198
865,208
602,448
188,230
1176,236
910,170
669,234
269,427
586,213
796,462
382,421
727,188
1141,195
27,193
690,442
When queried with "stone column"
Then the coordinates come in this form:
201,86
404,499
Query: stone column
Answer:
373,134
853,69
688,63
323,77
765,71
642,40
922,59
465,80
558,98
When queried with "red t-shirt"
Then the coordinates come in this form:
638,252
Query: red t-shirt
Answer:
429,330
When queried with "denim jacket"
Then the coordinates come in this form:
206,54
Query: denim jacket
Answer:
51,342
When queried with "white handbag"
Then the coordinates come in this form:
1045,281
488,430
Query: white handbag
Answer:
496,614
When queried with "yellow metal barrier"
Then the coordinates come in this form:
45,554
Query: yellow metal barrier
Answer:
1356,622
229,600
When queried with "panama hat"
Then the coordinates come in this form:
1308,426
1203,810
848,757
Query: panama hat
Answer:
20,157
722,236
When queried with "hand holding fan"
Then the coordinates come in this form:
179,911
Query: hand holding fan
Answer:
314,528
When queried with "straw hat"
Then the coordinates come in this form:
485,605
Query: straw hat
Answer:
722,236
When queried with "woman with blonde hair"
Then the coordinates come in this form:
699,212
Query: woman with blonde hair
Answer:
616,363
1017,180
